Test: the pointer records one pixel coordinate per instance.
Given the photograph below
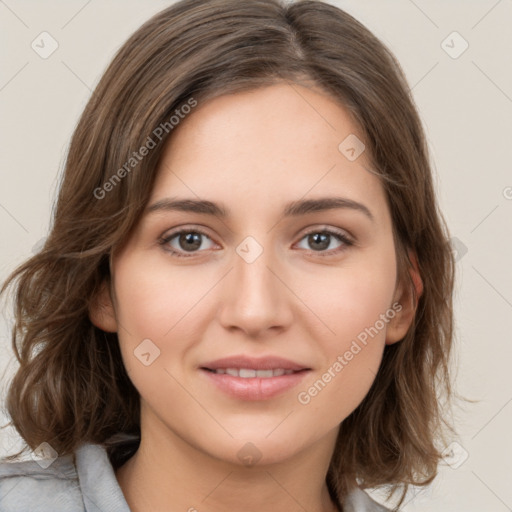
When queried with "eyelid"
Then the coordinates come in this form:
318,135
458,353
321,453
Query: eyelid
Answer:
194,228
322,228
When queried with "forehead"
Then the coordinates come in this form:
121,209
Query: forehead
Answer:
267,146
266,122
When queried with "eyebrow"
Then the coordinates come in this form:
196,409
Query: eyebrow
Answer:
292,209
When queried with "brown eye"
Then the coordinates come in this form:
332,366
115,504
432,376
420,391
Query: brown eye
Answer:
190,241
321,240
184,241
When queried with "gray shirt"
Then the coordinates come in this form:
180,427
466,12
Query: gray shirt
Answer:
85,482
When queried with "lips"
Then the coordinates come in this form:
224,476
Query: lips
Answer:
253,363
249,378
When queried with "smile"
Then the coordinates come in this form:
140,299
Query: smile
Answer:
250,373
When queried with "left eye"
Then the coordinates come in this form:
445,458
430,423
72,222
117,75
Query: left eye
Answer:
321,240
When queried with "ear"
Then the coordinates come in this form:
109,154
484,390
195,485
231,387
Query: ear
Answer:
407,295
101,309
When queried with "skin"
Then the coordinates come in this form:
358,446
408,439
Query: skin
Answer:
253,152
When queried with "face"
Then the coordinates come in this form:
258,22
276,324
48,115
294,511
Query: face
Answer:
279,282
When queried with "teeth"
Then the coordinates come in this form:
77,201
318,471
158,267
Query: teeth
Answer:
262,373
246,374
249,373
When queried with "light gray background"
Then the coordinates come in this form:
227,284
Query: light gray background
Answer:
466,106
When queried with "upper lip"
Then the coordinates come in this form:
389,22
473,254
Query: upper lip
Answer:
256,363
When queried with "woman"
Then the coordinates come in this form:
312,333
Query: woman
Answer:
244,301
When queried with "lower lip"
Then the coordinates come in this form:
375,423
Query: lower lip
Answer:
255,388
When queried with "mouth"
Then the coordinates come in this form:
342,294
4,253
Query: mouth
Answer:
251,373
248,378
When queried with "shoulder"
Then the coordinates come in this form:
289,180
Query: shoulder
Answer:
82,481
360,501
29,485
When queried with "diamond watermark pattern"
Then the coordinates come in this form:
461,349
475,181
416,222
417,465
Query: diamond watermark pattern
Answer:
455,455
249,455
459,249
249,249
44,45
44,455
351,147
146,352
38,245
454,45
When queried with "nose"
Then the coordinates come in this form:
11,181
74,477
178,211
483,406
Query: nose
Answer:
256,298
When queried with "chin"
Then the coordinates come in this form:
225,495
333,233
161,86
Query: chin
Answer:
253,448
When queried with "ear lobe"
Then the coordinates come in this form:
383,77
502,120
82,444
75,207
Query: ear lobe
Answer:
407,296
101,310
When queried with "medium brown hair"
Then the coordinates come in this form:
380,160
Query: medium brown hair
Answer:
71,386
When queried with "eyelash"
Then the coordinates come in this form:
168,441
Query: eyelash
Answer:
323,254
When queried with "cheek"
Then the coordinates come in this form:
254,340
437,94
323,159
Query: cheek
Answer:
349,299
355,303
155,300
159,303
147,308
352,355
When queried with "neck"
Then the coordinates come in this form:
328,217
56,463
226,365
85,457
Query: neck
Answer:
167,473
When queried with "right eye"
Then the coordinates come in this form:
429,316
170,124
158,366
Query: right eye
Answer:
184,241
